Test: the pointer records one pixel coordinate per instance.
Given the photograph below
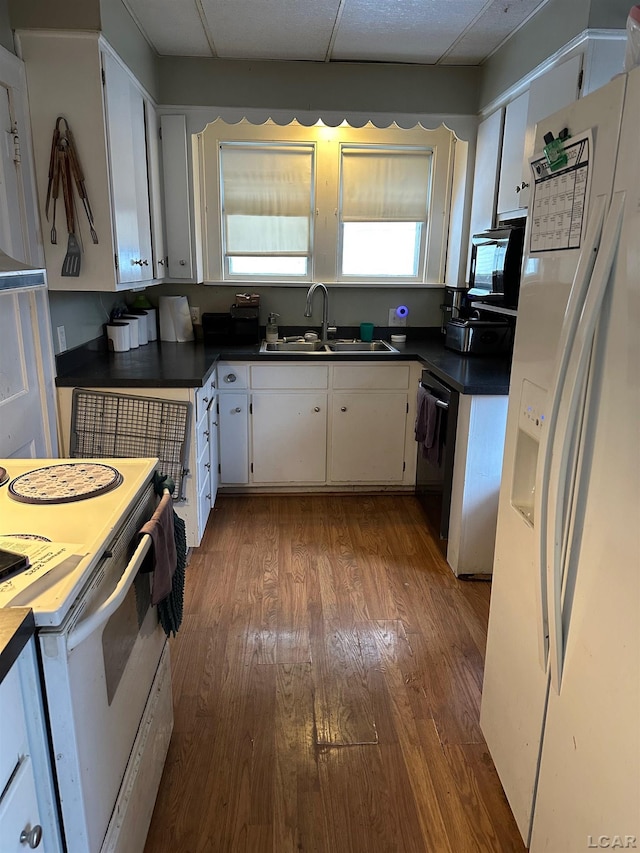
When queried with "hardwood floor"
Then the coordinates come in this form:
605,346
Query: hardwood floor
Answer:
327,682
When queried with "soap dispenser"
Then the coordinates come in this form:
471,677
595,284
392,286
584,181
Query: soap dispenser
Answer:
272,328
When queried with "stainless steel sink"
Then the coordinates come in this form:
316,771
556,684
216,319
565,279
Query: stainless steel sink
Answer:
292,346
330,348
360,346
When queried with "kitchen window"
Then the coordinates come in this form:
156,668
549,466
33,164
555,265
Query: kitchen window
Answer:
290,204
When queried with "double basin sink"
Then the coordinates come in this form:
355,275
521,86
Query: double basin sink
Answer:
330,348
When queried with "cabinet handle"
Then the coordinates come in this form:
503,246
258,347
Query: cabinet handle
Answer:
522,186
183,263
343,408
140,263
237,409
230,377
32,837
213,423
161,261
207,465
206,433
209,497
316,408
205,399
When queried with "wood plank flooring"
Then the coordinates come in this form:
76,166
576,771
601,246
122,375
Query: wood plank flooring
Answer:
327,681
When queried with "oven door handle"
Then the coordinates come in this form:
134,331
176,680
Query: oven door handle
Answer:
439,403
85,628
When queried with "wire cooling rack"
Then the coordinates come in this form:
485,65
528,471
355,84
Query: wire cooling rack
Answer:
120,426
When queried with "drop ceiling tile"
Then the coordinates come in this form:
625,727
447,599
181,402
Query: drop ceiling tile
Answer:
271,29
411,31
501,18
173,27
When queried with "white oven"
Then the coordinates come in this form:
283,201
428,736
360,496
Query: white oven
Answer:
104,657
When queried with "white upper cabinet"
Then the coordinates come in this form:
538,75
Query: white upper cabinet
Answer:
20,236
485,180
515,126
78,77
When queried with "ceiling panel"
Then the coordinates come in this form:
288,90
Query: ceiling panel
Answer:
271,29
489,31
173,27
448,32
411,31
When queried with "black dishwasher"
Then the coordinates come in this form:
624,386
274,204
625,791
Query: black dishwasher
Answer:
434,470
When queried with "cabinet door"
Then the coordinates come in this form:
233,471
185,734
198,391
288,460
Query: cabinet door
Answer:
175,167
547,94
368,437
485,176
233,426
128,171
289,437
214,459
152,130
515,127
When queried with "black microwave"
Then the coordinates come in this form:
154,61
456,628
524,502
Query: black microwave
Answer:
496,262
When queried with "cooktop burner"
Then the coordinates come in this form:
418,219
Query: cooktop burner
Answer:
64,483
4,476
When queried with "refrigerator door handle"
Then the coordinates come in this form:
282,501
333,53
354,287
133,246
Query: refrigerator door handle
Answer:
561,474
579,287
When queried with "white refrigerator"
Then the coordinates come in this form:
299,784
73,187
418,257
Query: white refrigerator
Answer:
561,696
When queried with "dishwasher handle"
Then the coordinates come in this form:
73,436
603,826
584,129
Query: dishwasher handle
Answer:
441,404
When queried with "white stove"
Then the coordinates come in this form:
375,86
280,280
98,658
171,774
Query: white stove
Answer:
89,523
104,657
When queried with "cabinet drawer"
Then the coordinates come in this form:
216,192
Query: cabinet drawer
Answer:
14,746
289,376
232,376
19,808
204,395
371,376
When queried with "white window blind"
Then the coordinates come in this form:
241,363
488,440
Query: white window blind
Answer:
385,185
267,198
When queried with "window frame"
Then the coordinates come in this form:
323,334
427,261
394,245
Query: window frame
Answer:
326,232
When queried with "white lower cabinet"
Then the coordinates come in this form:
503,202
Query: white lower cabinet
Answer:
233,431
28,816
289,437
326,425
367,437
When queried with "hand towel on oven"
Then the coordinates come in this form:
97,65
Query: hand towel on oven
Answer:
428,429
164,557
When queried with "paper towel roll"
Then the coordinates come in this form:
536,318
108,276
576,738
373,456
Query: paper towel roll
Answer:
175,319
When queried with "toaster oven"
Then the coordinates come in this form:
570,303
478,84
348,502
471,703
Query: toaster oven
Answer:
480,337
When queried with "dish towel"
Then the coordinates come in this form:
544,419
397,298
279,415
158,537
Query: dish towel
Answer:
164,558
171,607
428,426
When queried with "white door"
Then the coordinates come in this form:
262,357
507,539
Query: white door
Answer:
368,436
592,737
214,458
12,211
233,431
289,437
128,172
515,126
27,399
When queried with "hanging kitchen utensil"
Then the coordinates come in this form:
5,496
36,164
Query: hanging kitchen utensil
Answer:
78,175
71,262
65,170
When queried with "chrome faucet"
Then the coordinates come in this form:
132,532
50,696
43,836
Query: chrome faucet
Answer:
325,307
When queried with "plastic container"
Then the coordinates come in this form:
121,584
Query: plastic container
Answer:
272,328
398,339
366,331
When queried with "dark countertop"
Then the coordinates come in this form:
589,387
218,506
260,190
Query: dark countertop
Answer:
188,365
17,626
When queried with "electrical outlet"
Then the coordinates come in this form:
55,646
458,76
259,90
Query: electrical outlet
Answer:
62,338
394,320
195,315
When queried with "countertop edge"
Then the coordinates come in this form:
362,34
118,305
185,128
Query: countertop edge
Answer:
17,626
